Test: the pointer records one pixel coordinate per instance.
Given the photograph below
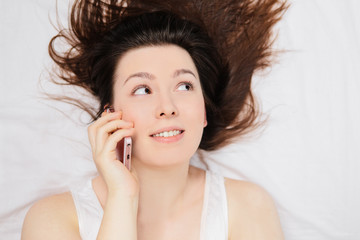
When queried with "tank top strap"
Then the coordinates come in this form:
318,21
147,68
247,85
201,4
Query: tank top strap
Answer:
88,208
214,220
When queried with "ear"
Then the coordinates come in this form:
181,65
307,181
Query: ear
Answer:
205,121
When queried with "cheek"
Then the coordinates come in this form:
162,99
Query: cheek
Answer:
195,109
135,113
130,109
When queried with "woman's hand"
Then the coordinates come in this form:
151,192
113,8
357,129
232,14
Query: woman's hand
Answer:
104,134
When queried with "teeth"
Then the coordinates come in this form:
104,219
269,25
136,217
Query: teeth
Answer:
167,134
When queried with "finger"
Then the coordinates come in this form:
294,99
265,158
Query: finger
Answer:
113,139
101,121
106,117
104,131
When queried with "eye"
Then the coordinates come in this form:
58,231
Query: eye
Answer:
141,90
185,86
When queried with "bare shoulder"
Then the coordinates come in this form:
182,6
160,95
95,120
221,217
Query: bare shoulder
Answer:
52,217
252,212
247,193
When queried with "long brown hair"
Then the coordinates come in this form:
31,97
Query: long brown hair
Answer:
227,39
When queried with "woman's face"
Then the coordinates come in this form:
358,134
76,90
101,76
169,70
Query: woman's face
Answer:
158,89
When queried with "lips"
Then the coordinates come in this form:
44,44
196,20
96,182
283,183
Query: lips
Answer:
167,132
168,135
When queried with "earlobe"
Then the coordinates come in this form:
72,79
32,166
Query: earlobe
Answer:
205,120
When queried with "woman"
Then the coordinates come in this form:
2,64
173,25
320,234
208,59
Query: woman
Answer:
174,82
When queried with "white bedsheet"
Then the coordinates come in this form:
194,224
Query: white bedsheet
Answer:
307,156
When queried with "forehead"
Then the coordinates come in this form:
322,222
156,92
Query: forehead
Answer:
164,59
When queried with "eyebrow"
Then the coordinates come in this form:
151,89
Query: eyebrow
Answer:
182,71
140,75
152,77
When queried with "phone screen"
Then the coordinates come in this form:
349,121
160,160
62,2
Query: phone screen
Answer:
124,151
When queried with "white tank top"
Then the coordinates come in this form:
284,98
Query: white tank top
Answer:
214,219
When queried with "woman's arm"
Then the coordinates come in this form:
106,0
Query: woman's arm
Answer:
120,210
55,217
252,212
120,218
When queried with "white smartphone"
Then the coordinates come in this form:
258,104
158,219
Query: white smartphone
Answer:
124,151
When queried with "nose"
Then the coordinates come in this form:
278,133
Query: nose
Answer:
166,107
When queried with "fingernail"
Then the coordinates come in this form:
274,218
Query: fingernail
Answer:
108,109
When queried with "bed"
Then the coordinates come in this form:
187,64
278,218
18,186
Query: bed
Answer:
307,155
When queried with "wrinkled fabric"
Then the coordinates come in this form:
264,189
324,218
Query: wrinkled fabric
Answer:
214,218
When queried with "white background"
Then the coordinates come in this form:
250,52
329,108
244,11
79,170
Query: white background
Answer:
307,156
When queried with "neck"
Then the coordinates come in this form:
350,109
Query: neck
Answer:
162,190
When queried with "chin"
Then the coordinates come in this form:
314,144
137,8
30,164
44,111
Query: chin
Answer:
165,157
